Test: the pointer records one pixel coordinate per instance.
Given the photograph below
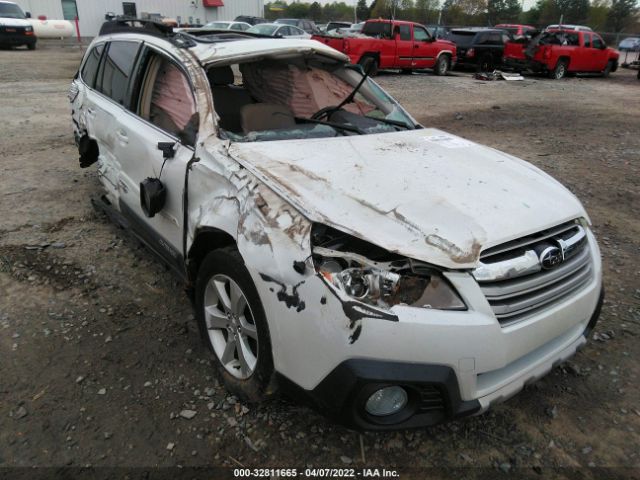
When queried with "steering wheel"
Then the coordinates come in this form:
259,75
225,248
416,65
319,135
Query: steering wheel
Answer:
324,112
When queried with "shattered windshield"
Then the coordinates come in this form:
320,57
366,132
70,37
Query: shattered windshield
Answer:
9,10
300,97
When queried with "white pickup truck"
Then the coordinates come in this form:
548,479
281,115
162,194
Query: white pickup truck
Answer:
15,28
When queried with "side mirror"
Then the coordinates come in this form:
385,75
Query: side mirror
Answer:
152,196
27,14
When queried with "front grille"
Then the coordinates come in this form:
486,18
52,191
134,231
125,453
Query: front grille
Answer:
430,399
516,284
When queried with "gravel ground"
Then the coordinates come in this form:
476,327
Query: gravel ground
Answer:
100,359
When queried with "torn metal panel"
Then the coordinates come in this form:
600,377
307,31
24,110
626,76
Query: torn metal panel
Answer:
411,192
251,50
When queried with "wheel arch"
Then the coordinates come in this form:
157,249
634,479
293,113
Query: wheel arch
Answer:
206,239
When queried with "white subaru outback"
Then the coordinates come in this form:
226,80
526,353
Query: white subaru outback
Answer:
394,274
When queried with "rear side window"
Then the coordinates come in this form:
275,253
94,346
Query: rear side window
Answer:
405,32
90,67
116,70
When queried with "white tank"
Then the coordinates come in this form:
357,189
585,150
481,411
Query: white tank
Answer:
52,28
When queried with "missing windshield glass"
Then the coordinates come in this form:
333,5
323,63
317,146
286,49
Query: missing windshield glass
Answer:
300,97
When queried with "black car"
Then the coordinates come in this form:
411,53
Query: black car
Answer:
250,20
481,48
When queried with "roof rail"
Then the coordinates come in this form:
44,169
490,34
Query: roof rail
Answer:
136,25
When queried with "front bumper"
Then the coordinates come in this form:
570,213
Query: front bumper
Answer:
433,390
17,39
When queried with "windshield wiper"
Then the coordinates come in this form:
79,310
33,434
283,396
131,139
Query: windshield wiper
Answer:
349,128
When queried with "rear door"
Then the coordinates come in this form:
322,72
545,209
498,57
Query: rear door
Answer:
424,50
163,111
404,46
111,100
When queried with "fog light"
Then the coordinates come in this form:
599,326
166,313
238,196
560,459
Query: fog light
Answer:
386,401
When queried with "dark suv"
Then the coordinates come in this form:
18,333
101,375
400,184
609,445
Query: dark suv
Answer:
481,48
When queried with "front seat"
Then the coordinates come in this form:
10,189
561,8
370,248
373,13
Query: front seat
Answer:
228,99
265,116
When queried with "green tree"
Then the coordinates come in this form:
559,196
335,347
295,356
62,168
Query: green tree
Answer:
381,9
621,14
315,11
598,13
427,11
298,10
503,11
362,10
574,11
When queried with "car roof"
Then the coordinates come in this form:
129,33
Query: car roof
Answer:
214,46
476,30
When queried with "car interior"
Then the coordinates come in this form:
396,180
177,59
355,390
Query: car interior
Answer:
298,97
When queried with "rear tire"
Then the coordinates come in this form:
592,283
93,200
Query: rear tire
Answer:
485,63
369,63
442,65
233,325
560,71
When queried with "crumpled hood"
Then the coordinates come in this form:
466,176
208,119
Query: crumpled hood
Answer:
424,193
14,22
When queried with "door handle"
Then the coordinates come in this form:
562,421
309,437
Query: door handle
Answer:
416,46
122,136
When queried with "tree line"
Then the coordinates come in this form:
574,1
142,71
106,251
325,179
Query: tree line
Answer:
609,15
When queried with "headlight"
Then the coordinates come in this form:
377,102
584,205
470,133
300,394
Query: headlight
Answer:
393,280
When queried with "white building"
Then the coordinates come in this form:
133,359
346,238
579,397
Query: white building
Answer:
91,13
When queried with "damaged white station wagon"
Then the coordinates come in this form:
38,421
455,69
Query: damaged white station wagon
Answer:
396,275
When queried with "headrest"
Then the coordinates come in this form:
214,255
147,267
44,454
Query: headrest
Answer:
220,75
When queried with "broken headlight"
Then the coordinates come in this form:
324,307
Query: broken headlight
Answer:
376,277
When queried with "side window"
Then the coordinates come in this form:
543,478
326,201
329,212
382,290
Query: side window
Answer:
236,26
166,99
405,32
90,67
420,34
597,42
587,39
116,70
572,39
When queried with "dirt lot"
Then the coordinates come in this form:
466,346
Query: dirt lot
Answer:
99,351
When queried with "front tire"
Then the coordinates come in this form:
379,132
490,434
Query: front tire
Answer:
560,71
608,69
31,46
233,325
442,65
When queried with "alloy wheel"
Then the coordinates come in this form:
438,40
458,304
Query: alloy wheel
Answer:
231,326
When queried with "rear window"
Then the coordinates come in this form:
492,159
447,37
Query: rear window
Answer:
90,67
377,29
461,38
116,70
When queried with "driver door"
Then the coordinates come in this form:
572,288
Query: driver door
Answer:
404,46
163,111
424,52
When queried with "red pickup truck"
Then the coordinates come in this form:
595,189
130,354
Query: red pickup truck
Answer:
394,44
558,51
